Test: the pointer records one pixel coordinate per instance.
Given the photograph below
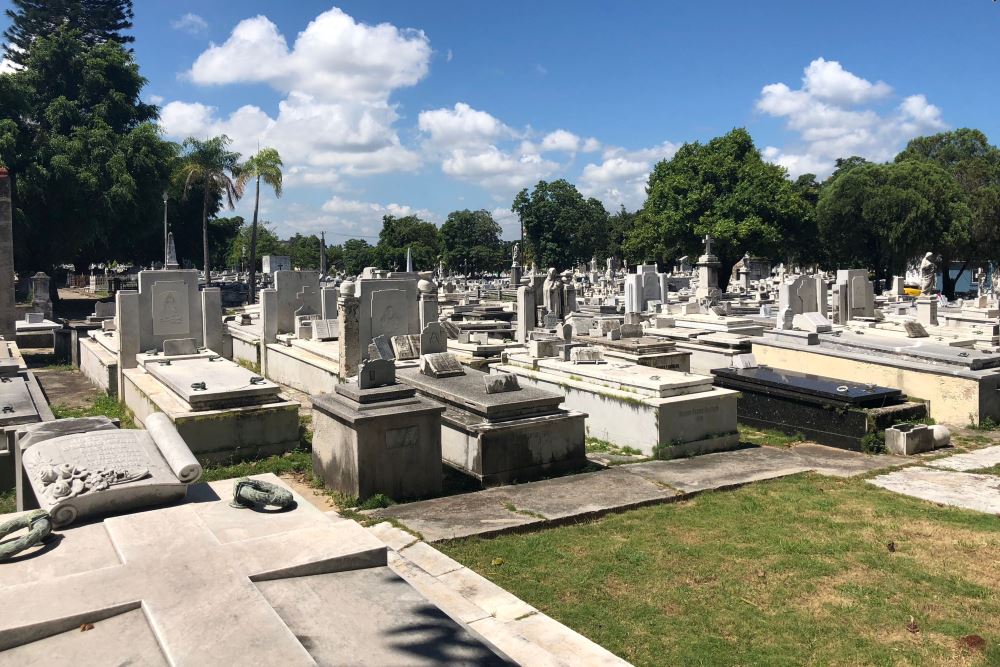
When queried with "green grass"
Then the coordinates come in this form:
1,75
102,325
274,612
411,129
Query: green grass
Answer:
795,571
992,470
598,446
771,437
8,503
252,366
102,405
986,424
297,461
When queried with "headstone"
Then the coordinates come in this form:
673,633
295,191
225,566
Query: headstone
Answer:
525,312
170,308
406,347
389,313
324,329
34,318
812,322
40,298
433,339
376,373
501,383
567,332
87,474
586,355
176,346
384,347
746,360
915,330
630,331
539,348
440,365
551,321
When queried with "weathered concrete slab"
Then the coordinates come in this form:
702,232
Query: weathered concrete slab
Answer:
981,458
843,463
452,517
586,494
724,469
957,489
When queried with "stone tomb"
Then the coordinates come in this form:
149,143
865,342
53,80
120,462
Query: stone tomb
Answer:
642,350
826,410
376,436
218,407
92,472
505,437
35,331
205,583
657,411
21,402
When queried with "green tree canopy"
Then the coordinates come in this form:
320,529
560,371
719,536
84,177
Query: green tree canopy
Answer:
97,22
409,231
88,166
268,243
723,188
881,216
471,242
620,226
357,255
265,166
561,228
304,251
975,165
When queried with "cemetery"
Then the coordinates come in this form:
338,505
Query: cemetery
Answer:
716,402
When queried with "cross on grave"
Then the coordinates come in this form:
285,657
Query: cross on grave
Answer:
192,569
304,308
708,244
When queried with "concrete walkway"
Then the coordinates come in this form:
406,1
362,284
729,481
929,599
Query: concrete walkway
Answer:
948,481
575,497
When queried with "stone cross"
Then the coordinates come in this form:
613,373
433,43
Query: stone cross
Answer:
708,244
191,569
304,308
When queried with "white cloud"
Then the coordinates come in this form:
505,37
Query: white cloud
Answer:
155,99
829,117
336,118
461,126
567,142
508,221
621,177
497,170
190,23
448,56
355,217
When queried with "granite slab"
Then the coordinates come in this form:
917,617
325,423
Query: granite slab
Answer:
468,393
225,383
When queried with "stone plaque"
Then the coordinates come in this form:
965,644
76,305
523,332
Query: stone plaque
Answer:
501,383
34,318
441,365
406,347
175,346
432,339
451,329
383,347
389,313
631,330
915,330
324,329
171,315
402,437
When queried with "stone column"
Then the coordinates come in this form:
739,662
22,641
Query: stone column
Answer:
268,316
8,314
41,302
525,313
843,303
822,306
428,309
633,293
127,323
349,343
211,319
328,303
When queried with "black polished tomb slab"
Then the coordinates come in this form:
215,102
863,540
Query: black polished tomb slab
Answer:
818,387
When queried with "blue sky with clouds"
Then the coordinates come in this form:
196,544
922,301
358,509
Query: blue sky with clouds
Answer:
426,107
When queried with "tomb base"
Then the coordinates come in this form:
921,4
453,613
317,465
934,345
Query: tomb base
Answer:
216,436
99,365
300,368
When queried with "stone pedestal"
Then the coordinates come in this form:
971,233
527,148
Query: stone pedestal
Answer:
349,342
525,312
377,440
41,302
708,278
927,311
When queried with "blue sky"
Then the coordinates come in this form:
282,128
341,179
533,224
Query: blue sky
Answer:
428,107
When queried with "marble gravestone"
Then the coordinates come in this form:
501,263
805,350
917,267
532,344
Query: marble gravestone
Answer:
205,583
89,473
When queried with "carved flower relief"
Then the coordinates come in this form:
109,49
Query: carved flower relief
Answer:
65,480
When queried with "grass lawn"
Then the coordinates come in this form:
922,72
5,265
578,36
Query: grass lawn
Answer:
797,571
107,406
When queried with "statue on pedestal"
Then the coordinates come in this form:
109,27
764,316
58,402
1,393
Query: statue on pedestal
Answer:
552,293
928,275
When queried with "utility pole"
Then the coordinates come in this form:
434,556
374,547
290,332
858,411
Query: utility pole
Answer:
165,251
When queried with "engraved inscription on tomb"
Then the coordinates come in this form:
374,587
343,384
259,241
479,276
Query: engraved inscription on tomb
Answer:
170,308
402,437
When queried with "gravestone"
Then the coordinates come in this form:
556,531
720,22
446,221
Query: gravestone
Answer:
388,313
323,330
176,346
433,339
915,330
376,373
441,365
499,383
406,347
812,322
383,347
586,355
87,474
630,331
40,298
525,312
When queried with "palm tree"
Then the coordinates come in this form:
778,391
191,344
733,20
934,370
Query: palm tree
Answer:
213,166
266,166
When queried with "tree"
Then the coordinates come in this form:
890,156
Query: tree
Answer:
222,233
471,242
266,165
357,255
407,232
268,243
88,166
334,258
98,22
619,227
883,215
303,251
561,228
214,167
723,188
975,165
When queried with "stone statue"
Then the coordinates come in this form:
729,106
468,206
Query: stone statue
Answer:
980,282
552,293
516,255
928,274
734,276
